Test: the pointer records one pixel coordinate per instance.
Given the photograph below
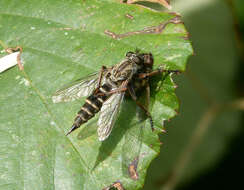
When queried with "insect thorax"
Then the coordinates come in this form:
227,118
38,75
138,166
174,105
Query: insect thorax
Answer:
123,71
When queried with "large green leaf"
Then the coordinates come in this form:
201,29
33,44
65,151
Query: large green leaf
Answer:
63,41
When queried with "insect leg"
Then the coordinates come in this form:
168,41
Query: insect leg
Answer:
123,88
132,91
100,77
141,106
156,72
147,95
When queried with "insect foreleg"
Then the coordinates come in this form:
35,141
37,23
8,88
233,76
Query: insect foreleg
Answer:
141,106
156,72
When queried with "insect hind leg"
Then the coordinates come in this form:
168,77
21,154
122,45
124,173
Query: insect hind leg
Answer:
100,78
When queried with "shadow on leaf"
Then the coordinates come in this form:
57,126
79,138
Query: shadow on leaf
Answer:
88,130
121,126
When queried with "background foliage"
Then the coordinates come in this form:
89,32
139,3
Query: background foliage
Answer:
203,146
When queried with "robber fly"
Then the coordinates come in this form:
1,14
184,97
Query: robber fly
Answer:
106,90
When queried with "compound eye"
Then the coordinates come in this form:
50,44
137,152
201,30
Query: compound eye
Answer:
148,59
129,54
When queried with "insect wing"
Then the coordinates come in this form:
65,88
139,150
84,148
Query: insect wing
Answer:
77,89
108,116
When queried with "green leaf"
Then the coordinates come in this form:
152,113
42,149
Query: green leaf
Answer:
63,41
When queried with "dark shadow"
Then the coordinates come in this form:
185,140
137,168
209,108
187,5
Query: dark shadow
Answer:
227,174
209,61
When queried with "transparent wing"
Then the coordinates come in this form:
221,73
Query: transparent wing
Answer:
108,116
77,89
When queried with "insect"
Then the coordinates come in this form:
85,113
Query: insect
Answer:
106,90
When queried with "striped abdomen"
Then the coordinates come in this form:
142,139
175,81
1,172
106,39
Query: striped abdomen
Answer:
93,105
